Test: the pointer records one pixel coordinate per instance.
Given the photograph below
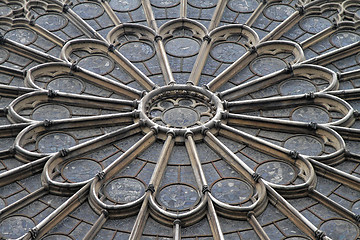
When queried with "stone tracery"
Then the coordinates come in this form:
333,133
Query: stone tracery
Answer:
108,133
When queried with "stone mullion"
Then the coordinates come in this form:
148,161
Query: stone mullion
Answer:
48,35
134,72
247,172
200,61
116,87
154,183
41,97
129,155
164,62
302,12
177,230
84,26
62,188
257,227
290,127
91,234
14,91
256,13
202,184
265,146
241,90
229,156
40,30
107,49
110,171
27,52
285,26
125,159
334,174
59,214
22,202
66,68
335,55
214,221
183,8
279,201
159,44
141,218
22,172
334,206
292,213
279,77
216,18
231,71
195,161
149,14
110,12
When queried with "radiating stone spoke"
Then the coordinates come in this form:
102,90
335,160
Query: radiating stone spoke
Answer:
62,78
298,137
301,79
54,136
263,59
179,119
101,59
317,111
30,108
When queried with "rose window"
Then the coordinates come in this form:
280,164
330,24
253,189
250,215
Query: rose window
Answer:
179,119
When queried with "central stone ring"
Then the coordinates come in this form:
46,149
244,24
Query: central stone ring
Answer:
180,109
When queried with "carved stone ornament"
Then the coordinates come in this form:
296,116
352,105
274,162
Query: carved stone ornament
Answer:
179,119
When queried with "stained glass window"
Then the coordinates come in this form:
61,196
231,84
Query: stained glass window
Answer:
179,119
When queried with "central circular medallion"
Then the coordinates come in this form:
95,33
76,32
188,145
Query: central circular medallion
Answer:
180,117
179,109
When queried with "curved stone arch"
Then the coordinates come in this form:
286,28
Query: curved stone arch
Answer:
62,10
311,9
140,45
27,24
222,33
325,135
14,11
241,146
104,49
198,30
350,14
266,49
52,71
342,27
51,128
143,32
65,101
244,39
302,72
